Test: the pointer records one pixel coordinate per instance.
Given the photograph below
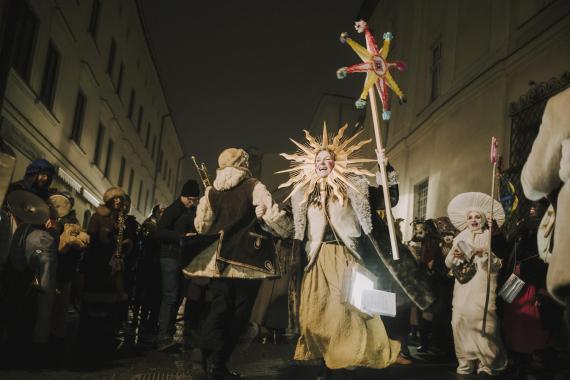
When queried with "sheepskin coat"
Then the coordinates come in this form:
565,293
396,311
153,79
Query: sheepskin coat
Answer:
275,221
547,169
366,236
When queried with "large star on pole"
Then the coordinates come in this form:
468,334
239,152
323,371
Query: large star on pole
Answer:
375,65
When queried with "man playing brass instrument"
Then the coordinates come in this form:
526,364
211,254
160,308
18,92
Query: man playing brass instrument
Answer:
242,211
103,295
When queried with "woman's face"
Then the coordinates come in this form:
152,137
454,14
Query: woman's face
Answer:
324,163
475,220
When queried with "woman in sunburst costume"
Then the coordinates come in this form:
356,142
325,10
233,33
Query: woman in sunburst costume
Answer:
334,215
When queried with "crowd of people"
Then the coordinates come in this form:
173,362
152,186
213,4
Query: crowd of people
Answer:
465,290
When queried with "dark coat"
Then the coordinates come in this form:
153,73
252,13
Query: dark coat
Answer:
171,230
102,230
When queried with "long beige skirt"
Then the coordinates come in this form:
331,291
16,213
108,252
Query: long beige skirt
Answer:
333,330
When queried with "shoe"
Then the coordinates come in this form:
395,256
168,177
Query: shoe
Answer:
221,373
422,349
402,360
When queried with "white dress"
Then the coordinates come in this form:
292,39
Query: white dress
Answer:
475,351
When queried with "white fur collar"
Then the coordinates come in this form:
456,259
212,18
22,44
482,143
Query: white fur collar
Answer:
230,177
358,199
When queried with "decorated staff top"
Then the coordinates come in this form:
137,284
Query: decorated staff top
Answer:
375,65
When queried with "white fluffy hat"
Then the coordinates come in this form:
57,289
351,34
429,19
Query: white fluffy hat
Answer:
463,203
233,157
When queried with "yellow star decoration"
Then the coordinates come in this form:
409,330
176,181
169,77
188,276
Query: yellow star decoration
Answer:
376,66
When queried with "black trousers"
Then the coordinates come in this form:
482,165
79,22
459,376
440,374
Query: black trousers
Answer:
228,318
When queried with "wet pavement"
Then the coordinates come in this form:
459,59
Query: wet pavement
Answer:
259,361
264,359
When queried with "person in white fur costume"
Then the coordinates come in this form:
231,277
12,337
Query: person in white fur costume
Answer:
475,351
241,211
546,173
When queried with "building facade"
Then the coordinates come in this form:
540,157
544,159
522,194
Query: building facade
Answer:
476,69
84,93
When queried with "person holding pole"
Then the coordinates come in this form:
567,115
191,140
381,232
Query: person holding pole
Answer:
475,324
334,213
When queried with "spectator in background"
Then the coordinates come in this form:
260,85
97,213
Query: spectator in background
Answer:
149,284
174,231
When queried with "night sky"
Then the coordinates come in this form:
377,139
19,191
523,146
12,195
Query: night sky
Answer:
241,73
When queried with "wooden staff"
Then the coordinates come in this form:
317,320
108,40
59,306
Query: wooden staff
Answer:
494,160
382,165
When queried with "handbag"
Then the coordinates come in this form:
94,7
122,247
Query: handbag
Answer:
464,270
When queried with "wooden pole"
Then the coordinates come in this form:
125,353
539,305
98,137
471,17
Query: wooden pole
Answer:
384,177
487,295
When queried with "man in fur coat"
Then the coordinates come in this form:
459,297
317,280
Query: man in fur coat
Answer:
242,211
103,291
30,278
546,171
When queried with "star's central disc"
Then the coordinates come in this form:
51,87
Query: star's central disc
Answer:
379,65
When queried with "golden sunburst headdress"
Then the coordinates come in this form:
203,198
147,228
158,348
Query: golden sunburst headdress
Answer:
302,172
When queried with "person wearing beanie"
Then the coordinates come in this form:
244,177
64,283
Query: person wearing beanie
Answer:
241,211
177,237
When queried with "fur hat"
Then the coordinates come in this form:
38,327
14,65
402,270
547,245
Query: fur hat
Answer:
113,192
233,157
473,201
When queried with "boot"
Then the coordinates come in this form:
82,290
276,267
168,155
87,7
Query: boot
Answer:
215,372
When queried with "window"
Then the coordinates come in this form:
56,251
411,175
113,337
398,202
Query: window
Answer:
160,158
86,219
139,196
435,70
49,81
120,78
420,199
146,200
147,138
131,180
131,104
139,120
24,48
94,19
111,61
121,178
109,158
152,152
78,116
98,145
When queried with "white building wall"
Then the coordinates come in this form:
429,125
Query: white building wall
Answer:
490,52
39,131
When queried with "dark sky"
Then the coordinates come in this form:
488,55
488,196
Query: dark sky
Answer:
240,73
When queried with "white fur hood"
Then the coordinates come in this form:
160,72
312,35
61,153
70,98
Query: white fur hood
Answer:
358,199
230,177
348,221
